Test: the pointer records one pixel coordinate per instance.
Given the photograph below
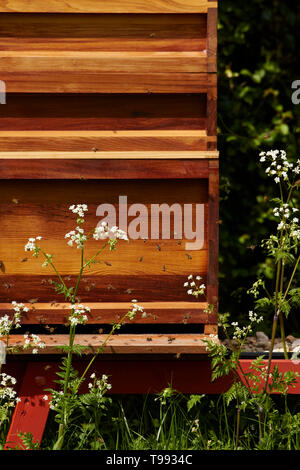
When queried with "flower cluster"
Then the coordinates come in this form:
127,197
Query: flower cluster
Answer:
76,237
6,379
31,245
7,323
135,309
289,221
56,399
78,315
103,231
7,392
240,333
254,290
34,342
98,387
79,209
194,288
254,318
279,166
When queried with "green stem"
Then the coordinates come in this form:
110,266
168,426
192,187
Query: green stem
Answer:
100,349
281,320
260,422
274,328
275,320
54,268
282,332
237,428
291,278
95,256
63,425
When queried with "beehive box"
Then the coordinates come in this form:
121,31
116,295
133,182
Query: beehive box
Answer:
108,99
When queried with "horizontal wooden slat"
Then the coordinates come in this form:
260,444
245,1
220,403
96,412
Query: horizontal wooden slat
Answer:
99,61
106,313
95,155
103,32
172,259
97,112
95,169
107,6
106,82
43,207
105,288
123,343
104,140
99,44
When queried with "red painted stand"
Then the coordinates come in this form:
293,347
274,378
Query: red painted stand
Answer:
31,413
126,376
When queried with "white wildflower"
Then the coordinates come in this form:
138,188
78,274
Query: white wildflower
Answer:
76,237
136,309
79,209
30,245
78,315
103,231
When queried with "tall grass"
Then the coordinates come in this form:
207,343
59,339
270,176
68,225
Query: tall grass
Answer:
179,422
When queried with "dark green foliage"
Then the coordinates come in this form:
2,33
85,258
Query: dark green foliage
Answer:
136,422
258,61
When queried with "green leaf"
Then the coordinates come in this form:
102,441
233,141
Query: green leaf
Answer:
194,400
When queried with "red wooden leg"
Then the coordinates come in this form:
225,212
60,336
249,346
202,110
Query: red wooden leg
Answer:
31,413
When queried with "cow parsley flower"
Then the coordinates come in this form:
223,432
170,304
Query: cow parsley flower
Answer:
135,308
78,315
79,238
99,387
31,245
8,396
79,209
33,341
195,288
8,322
103,231
279,166
254,318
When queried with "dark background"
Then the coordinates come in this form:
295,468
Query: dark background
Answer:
259,58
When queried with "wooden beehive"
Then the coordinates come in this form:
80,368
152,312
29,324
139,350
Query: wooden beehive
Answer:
109,98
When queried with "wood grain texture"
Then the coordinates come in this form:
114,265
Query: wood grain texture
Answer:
103,32
96,112
84,141
213,235
171,260
88,82
107,313
147,155
212,43
134,98
44,206
96,169
123,343
106,6
211,122
114,44
101,62
101,288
